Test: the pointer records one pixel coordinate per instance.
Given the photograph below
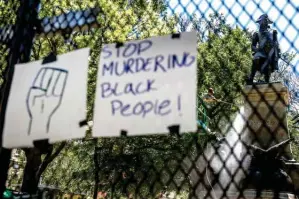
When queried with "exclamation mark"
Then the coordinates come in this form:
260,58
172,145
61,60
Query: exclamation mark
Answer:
179,105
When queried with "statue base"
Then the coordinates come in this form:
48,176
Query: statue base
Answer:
266,107
251,194
266,114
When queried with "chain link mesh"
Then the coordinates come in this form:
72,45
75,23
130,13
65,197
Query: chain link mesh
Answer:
201,164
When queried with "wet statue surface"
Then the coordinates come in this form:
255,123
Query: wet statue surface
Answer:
265,48
266,170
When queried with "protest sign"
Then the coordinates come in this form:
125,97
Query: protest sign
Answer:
145,86
47,101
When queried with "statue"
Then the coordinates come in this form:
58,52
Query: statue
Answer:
266,51
266,170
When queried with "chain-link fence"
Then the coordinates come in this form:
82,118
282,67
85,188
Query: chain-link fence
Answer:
241,118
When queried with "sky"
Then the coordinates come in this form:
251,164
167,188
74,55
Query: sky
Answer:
243,13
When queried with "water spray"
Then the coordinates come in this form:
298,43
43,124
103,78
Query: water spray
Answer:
288,63
210,182
227,103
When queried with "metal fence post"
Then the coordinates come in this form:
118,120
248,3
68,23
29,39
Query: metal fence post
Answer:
20,48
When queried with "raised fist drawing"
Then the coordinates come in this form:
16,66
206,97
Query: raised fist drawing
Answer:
44,98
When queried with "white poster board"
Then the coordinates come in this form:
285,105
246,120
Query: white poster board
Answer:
145,86
47,101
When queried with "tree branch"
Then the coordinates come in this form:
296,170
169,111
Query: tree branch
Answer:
156,148
96,171
36,53
49,158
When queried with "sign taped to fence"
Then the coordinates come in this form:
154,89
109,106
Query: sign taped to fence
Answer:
47,101
145,86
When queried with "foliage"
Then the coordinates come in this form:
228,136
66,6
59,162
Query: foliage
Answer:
117,21
8,12
7,18
224,60
144,159
223,63
287,75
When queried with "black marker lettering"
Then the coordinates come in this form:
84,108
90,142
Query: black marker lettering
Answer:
143,46
158,64
107,52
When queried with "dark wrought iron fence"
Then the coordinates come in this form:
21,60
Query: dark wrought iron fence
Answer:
218,161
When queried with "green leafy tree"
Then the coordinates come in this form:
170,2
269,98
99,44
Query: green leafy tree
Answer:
8,12
224,60
223,51
118,165
151,161
117,22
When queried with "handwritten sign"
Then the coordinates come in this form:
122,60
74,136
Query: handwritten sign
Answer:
47,101
147,85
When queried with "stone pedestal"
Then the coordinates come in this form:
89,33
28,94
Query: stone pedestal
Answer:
248,194
266,109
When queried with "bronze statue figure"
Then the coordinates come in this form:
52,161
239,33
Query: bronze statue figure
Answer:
266,51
